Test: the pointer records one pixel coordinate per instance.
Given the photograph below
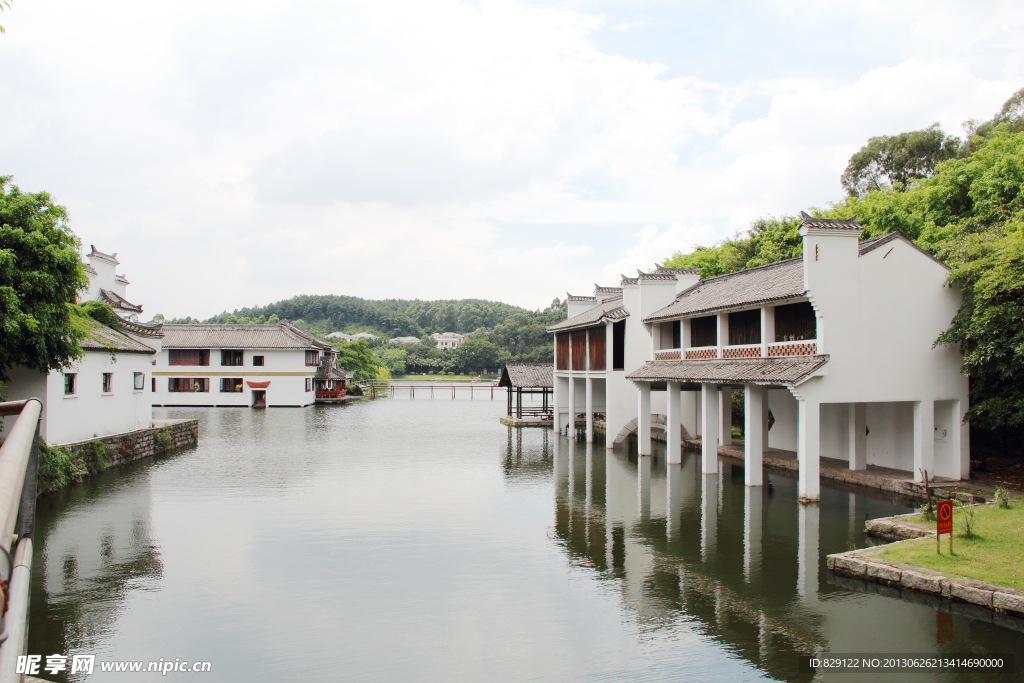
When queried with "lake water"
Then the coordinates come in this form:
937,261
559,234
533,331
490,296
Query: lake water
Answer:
412,540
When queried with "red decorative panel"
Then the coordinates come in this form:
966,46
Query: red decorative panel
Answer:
743,352
708,353
671,354
579,349
597,348
562,351
793,350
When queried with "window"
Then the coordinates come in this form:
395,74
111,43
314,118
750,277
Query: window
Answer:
108,378
309,384
704,331
312,358
189,357
231,385
745,327
140,381
257,360
70,380
230,357
619,345
186,384
153,389
795,322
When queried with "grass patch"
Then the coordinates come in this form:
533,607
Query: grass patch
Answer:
994,553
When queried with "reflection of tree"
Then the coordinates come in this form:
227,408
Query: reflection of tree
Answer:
533,461
93,545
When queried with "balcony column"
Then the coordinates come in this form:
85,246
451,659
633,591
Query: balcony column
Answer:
767,328
808,450
725,416
858,450
924,439
684,337
590,408
753,442
643,425
673,418
723,333
709,405
764,419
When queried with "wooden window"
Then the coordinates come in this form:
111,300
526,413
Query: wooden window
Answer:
745,327
140,381
309,384
579,349
230,357
189,357
677,334
108,381
597,348
70,382
312,358
795,322
153,383
187,384
257,360
231,385
562,351
704,331
619,345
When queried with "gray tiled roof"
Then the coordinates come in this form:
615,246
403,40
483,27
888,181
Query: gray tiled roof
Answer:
106,257
118,301
677,271
628,281
103,338
527,375
844,223
598,289
234,337
584,298
141,329
774,282
610,309
660,275
787,371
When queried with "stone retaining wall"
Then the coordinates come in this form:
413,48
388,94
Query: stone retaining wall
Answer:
165,436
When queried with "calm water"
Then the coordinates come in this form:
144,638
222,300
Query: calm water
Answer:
421,540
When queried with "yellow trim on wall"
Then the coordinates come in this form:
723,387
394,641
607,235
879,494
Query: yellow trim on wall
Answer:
205,373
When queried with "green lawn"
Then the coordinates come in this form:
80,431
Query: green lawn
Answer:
995,553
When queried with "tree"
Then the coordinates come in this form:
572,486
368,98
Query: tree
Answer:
393,359
40,274
897,160
358,358
476,353
4,3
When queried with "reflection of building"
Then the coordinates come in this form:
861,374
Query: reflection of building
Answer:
742,566
843,337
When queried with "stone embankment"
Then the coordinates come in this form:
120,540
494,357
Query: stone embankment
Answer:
865,565
163,437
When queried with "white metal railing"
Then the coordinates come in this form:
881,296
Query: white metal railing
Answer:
19,457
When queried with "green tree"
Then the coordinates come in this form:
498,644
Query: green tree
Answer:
358,358
40,274
393,359
4,3
476,353
898,160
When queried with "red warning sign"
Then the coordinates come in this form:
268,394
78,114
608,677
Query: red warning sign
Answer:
945,514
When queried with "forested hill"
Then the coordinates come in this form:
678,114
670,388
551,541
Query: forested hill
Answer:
517,331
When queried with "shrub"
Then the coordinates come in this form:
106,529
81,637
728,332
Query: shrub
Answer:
163,438
98,450
1003,497
967,518
58,467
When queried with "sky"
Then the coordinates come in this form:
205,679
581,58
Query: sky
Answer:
239,153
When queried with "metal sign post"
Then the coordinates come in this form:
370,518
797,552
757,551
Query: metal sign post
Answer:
944,524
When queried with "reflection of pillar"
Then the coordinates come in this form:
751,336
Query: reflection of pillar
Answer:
924,438
590,479
751,531
643,477
857,436
590,409
724,482
725,416
807,553
708,514
572,407
674,503
673,419
709,428
807,452
643,434
764,638
561,464
719,609
753,442
853,518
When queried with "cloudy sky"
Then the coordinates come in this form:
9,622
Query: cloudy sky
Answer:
236,153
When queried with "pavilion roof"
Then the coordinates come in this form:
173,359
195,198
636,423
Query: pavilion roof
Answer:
610,309
102,338
527,375
118,301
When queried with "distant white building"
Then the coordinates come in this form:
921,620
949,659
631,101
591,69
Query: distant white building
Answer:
448,340
352,337
838,345
404,340
106,392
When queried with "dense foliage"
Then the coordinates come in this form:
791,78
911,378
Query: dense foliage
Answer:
40,273
498,332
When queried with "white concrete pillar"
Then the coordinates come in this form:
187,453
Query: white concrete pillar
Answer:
673,418
752,503
764,419
753,441
708,514
643,423
924,439
807,553
767,329
725,416
572,407
959,440
808,450
590,409
709,428
556,402
723,333
858,444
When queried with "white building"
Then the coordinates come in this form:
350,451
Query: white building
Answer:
837,345
448,340
258,366
105,392
404,340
